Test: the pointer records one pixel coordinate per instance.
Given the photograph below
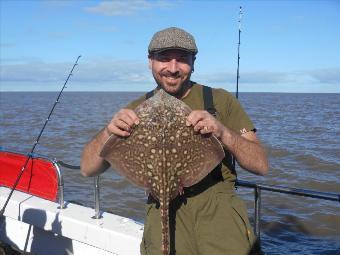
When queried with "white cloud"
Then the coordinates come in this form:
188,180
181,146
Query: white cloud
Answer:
263,77
126,73
128,7
329,75
88,71
325,76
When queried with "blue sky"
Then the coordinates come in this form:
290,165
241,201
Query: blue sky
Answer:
286,46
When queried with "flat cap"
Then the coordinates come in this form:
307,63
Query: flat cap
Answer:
172,38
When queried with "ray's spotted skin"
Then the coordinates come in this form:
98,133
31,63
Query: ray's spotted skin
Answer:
162,154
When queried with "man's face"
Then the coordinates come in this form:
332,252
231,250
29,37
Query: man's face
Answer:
172,69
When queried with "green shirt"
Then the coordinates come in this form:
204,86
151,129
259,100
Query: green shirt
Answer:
228,111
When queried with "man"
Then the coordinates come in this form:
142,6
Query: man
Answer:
208,218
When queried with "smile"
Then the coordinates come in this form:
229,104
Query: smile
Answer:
172,77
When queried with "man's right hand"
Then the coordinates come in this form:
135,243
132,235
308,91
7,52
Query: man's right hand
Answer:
122,123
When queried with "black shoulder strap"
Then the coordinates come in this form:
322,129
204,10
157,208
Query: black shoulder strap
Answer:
209,107
149,94
208,100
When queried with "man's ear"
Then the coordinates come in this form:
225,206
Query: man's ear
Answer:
193,64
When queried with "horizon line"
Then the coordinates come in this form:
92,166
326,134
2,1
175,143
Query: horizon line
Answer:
145,91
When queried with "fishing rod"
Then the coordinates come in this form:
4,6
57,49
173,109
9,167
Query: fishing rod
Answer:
238,50
30,155
238,63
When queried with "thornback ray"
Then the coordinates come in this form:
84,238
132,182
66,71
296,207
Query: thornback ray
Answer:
162,154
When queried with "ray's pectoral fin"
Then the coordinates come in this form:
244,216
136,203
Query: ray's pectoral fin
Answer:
207,155
126,160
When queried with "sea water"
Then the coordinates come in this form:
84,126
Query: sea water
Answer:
301,133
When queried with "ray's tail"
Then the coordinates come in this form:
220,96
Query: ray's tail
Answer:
164,209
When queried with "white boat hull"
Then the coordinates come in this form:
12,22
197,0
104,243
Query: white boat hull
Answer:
36,225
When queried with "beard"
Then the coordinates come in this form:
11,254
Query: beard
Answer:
179,89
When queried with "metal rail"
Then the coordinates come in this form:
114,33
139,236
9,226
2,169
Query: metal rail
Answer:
280,189
60,185
258,187
97,212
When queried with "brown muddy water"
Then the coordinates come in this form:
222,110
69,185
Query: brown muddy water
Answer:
300,131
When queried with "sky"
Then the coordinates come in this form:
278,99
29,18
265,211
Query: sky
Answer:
286,46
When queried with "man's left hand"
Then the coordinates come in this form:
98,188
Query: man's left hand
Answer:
205,123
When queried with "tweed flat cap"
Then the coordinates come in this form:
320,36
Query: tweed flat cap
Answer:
172,38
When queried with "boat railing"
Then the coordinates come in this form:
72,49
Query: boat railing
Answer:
258,188
60,185
97,212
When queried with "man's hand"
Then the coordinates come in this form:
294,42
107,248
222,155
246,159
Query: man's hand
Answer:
248,150
204,123
122,123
